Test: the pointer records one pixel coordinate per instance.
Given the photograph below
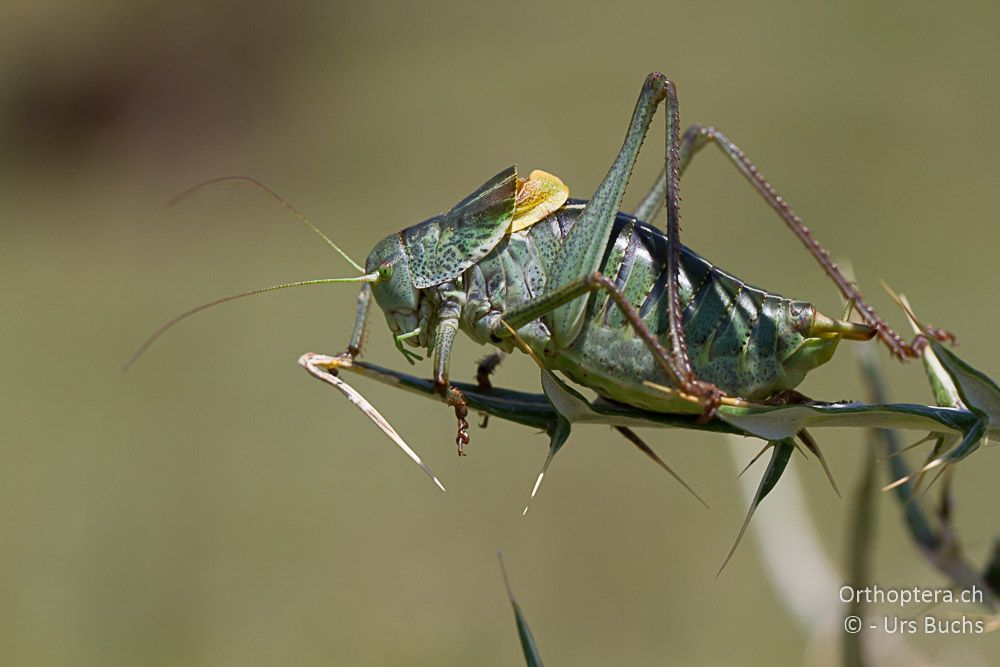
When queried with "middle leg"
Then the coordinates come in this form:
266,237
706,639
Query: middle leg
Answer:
708,395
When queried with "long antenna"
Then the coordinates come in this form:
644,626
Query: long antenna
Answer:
273,195
369,278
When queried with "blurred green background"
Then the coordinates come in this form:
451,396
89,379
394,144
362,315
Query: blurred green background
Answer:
215,506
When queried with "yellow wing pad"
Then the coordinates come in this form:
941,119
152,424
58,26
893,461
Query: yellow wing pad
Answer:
538,196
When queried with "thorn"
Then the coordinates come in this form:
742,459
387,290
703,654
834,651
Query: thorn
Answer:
754,459
899,482
634,438
801,451
933,464
506,581
942,471
534,490
739,538
813,446
905,306
758,496
927,438
903,480
320,367
538,480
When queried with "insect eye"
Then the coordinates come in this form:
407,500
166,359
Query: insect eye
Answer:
385,272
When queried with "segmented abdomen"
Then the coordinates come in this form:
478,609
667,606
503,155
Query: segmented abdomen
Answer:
736,334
